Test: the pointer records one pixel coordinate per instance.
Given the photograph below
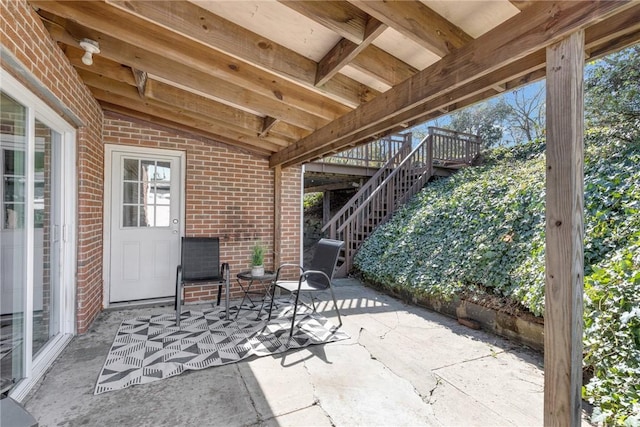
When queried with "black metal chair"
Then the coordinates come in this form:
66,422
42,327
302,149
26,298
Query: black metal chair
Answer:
200,262
316,279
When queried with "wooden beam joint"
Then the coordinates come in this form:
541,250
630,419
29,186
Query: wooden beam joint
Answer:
141,81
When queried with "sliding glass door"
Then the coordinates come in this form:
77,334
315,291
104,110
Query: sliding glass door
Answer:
13,240
36,286
46,237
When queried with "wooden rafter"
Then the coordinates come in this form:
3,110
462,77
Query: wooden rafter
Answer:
346,20
118,111
201,65
522,4
179,98
127,31
194,124
419,23
358,31
192,21
381,65
476,61
158,65
346,51
113,70
115,92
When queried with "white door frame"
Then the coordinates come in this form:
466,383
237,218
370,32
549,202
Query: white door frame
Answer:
37,109
108,172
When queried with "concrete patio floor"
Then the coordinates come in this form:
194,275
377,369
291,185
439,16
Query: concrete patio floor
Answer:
402,366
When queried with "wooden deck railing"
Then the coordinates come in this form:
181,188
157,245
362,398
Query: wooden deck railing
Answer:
374,154
450,146
394,184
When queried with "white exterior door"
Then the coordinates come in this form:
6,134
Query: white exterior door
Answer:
145,201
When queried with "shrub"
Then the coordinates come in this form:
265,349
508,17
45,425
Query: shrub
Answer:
483,230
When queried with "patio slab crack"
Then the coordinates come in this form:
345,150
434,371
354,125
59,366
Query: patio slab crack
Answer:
259,419
316,398
373,357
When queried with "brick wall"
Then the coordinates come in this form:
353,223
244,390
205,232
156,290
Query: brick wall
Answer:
24,37
229,194
291,215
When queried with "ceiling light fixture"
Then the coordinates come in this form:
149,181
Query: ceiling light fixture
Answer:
90,47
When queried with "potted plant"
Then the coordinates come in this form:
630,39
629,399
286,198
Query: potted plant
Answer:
257,260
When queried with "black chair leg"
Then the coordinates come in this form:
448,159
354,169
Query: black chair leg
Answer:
295,310
335,304
219,294
271,304
178,303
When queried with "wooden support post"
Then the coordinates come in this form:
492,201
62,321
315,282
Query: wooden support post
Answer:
277,216
564,233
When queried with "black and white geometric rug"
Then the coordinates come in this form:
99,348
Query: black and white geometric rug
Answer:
151,348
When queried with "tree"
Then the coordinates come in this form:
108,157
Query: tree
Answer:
485,120
526,118
612,92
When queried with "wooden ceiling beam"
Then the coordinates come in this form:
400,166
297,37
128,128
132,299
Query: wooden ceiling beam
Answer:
345,51
382,66
340,16
522,4
128,95
199,24
417,22
131,101
157,64
622,42
349,185
184,100
615,33
108,68
525,33
358,31
134,31
180,98
169,125
288,130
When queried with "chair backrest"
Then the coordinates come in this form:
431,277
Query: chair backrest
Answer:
200,258
325,259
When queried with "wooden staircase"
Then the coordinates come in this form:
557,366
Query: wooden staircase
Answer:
394,184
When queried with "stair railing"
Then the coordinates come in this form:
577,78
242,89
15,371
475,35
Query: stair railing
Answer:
376,206
395,183
347,210
450,146
372,155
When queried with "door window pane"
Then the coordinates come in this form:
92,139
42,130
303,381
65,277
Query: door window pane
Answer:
146,198
130,169
130,216
130,193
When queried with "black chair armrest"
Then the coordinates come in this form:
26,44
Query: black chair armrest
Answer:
287,265
307,273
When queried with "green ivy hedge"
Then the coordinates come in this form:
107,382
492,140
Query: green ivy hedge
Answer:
482,231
